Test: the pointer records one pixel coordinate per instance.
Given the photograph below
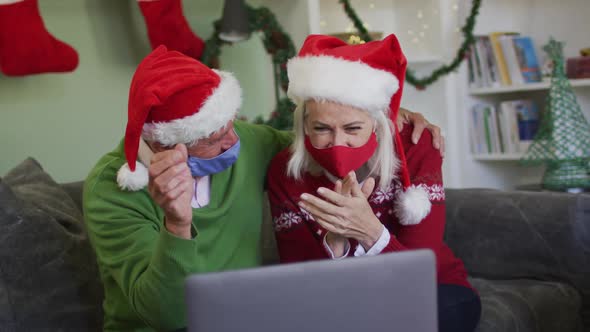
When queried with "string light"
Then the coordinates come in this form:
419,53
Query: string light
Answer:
416,37
354,39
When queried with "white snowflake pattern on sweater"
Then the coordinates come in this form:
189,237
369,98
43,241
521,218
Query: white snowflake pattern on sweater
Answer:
380,196
436,192
286,220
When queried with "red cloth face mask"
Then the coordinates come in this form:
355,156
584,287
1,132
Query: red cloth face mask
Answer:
340,160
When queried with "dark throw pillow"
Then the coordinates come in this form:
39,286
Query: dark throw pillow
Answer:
49,279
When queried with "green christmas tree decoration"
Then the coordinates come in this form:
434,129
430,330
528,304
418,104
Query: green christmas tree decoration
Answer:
563,140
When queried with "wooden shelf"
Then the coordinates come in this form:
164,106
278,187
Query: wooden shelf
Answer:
498,156
525,87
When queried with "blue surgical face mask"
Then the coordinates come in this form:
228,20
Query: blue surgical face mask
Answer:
203,167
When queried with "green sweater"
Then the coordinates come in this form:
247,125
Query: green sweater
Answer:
143,266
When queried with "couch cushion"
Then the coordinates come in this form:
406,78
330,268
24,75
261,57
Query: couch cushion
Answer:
528,305
48,274
522,235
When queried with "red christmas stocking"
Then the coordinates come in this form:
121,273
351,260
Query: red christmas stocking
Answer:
167,25
26,47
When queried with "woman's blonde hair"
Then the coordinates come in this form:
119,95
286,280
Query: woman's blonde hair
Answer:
383,164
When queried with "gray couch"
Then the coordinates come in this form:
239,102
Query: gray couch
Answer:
528,254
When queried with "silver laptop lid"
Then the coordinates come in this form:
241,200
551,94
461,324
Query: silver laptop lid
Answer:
388,292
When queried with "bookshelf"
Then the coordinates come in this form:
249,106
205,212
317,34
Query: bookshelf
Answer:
534,91
497,156
503,170
576,83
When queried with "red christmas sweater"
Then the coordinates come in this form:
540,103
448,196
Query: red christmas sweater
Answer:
300,238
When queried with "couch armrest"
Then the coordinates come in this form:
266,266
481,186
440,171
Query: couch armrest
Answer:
521,234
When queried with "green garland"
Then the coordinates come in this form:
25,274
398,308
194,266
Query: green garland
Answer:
277,43
280,46
462,52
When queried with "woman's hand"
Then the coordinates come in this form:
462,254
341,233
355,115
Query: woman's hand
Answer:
339,243
346,215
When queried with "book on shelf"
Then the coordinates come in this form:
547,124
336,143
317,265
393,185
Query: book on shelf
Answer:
506,41
508,128
527,59
520,123
482,61
499,56
503,59
483,70
527,116
471,70
489,66
475,69
476,131
492,62
485,137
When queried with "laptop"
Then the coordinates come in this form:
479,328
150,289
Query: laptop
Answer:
388,292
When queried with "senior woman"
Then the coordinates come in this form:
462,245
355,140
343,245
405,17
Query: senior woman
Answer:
352,183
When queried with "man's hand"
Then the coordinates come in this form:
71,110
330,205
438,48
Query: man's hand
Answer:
420,123
171,186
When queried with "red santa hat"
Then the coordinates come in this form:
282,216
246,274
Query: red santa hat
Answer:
174,99
368,76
